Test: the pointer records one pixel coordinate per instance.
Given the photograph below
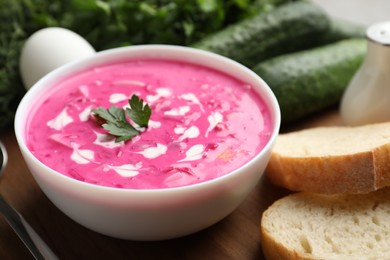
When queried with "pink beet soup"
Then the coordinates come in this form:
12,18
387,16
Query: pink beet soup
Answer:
204,124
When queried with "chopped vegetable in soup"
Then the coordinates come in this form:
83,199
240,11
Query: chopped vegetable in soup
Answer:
203,124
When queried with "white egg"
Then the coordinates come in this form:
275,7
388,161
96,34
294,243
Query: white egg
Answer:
48,49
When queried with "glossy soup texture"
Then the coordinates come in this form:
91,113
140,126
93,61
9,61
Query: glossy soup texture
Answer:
204,124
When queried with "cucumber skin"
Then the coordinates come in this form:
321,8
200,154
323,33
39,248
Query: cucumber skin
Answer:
341,29
287,28
309,81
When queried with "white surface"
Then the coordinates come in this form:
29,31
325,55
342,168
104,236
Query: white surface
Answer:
366,12
380,32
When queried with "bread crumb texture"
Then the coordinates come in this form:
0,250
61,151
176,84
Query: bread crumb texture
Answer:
331,141
314,226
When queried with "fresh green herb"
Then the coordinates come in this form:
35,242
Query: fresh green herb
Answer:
138,112
115,121
107,24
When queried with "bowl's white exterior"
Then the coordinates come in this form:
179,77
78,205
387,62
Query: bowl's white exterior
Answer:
147,214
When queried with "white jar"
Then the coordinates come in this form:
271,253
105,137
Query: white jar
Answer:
367,97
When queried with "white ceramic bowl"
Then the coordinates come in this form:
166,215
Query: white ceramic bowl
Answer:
148,214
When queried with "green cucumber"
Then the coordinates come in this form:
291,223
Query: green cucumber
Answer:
309,81
341,29
286,28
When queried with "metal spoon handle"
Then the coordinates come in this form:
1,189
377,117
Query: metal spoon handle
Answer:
26,233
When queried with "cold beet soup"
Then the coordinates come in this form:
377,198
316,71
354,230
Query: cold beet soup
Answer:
204,124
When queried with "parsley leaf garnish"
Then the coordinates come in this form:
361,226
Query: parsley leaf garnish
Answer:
115,121
138,112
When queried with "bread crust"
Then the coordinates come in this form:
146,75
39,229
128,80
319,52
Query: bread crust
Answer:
353,173
328,223
273,249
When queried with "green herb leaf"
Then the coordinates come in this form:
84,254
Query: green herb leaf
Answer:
115,121
138,111
108,24
123,130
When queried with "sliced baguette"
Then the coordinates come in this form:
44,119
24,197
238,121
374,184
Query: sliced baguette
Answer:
317,226
333,159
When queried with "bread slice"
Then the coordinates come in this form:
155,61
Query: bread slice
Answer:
318,226
332,159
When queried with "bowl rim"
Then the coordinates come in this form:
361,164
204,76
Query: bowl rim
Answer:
115,55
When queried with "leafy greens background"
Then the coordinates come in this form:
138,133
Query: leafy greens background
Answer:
108,24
